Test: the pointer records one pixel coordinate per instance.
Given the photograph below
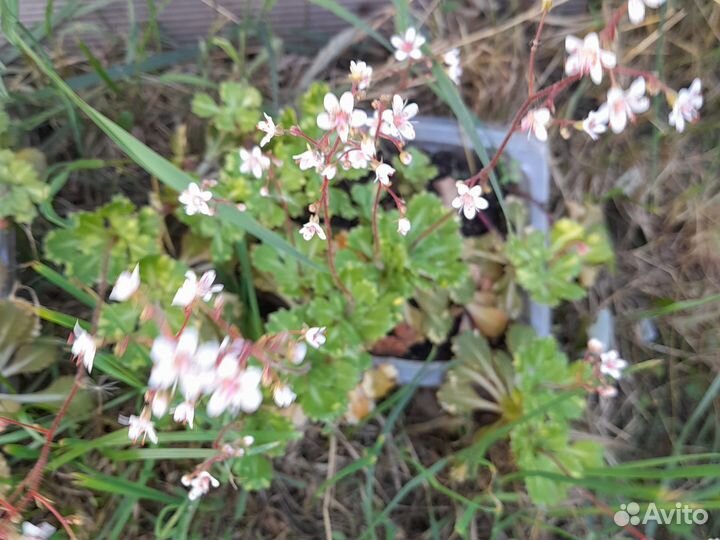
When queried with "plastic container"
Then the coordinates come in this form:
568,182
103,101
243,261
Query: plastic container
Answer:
443,134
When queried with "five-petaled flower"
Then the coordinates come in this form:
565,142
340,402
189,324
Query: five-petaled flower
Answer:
83,346
253,162
596,122
196,200
383,172
360,74
687,106
185,413
315,336
237,389
140,427
636,9
309,159
340,115
408,45
199,484
469,200
126,285
403,226
536,122
193,288
283,395
269,128
311,228
397,121
586,57
611,364
625,104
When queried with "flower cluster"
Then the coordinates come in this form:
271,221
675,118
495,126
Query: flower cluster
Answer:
607,367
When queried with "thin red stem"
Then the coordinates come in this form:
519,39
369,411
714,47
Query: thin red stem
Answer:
533,51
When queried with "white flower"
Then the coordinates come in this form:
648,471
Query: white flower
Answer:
315,336
469,200
355,159
237,390
193,288
298,351
595,346
397,121
126,285
83,346
283,395
408,46
360,74
536,121
160,404
383,172
268,127
309,159
340,115
367,147
687,105
623,105
596,122
403,226
185,414
611,364
607,391
586,57
199,484
311,228
139,426
636,9
253,162
31,531
452,61
171,358
329,171
196,200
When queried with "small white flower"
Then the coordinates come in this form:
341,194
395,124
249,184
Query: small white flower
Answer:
611,364
360,74
408,45
536,121
193,288
452,61
196,200
406,158
367,147
283,395
160,404
83,346
586,57
636,9
309,159
311,228
687,106
403,226
383,172
469,200
596,122
607,391
329,171
171,358
238,391
624,105
199,484
268,127
595,346
31,531
253,162
340,115
185,413
298,351
139,426
397,121
315,336
355,159
126,285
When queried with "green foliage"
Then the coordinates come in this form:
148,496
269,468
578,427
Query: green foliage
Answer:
237,112
414,177
116,231
549,271
21,188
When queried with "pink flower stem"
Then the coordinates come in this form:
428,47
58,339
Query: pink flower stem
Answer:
47,504
621,70
533,51
376,234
